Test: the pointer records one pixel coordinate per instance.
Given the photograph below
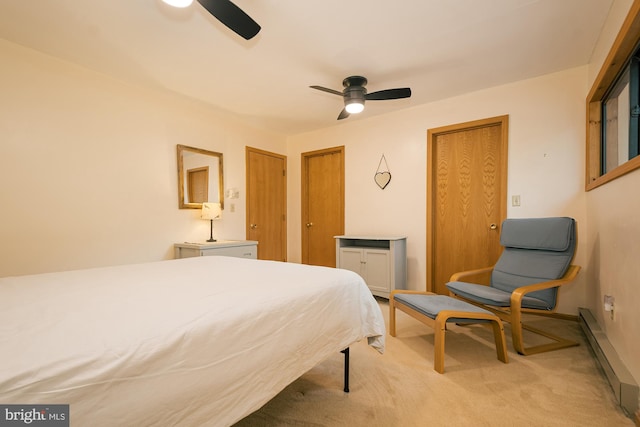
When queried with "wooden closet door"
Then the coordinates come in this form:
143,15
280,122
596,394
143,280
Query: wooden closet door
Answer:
322,205
466,200
266,203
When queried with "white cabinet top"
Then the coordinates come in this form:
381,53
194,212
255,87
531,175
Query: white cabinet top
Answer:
218,244
359,237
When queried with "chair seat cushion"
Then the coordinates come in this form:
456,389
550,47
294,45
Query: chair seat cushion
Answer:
492,296
431,305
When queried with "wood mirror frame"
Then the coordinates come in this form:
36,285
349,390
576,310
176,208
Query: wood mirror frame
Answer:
199,172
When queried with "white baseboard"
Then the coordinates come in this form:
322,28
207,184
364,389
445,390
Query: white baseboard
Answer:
623,384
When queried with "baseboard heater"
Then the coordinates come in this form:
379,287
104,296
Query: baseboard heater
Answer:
623,384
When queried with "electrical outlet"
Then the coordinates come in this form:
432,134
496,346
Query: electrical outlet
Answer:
515,200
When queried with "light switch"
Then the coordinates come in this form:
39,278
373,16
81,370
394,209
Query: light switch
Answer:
515,200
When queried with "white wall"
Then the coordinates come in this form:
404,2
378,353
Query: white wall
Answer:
546,164
88,167
613,238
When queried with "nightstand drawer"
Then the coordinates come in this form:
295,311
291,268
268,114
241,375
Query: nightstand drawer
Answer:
248,251
232,248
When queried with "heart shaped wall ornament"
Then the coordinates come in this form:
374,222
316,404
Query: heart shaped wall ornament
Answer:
382,179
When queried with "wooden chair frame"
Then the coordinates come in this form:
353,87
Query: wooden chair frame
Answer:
513,314
439,326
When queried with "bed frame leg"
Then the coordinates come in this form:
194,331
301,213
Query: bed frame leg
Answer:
346,369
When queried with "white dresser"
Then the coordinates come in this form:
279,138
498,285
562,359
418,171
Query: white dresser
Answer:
381,261
233,248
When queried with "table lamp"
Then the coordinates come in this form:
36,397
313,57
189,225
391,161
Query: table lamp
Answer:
211,211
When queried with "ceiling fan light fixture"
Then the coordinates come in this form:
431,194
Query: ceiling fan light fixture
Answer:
355,93
354,106
178,3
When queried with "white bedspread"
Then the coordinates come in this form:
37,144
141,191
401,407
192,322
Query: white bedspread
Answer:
189,342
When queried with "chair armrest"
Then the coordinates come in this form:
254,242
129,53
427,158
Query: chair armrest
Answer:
481,276
519,293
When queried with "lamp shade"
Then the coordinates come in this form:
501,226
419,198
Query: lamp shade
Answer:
211,211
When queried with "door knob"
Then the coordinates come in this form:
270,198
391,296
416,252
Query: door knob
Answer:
493,227
309,224
253,226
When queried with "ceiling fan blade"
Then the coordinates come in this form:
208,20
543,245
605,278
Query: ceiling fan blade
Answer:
404,92
232,16
343,114
324,89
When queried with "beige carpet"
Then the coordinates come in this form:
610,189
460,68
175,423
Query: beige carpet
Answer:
400,387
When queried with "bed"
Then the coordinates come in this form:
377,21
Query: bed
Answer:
189,342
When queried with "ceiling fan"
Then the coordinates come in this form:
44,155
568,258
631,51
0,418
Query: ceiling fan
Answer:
354,95
227,13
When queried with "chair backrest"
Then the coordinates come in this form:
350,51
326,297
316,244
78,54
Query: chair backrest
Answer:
535,250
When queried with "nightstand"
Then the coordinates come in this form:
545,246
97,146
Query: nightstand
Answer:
233,248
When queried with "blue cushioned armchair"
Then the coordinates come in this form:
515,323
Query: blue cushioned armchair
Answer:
535,262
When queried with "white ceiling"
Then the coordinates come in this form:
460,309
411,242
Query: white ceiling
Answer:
438,48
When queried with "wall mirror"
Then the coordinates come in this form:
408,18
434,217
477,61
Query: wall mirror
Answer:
199,177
